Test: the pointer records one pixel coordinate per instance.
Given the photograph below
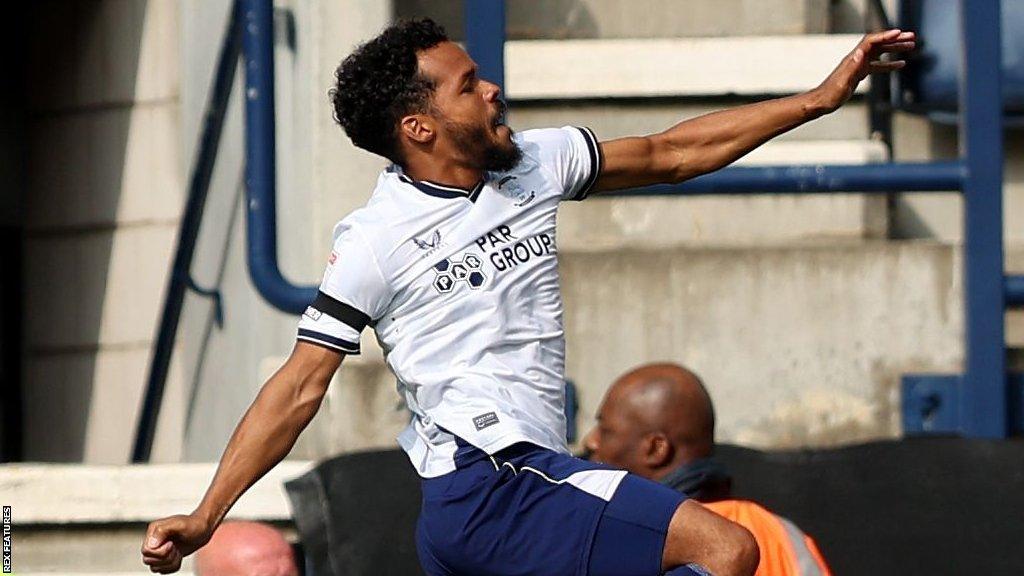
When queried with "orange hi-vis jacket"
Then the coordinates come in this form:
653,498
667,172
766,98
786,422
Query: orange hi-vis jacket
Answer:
785,549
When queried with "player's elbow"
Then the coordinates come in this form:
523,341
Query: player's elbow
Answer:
741,554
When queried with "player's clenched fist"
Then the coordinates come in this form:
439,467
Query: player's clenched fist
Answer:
170,539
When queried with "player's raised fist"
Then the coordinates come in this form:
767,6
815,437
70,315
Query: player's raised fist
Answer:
877,52
170,539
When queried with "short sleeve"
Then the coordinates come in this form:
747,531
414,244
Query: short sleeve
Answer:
353,294
572,156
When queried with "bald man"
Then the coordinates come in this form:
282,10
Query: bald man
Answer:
246,549
657,421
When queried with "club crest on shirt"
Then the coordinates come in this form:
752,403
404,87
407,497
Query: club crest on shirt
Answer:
509,187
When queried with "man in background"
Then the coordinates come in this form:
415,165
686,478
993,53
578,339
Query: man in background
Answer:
246,549
657,421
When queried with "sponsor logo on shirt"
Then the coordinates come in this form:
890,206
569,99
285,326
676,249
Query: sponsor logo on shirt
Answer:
450,271
484,420
505,250
312,313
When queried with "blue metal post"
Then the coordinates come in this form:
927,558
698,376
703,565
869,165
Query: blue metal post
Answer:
484,22
984,409
261,161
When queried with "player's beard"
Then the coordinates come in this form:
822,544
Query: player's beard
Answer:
477,143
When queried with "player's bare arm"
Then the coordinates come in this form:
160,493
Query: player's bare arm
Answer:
265,435
707,143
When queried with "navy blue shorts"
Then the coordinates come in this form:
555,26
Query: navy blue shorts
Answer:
532,511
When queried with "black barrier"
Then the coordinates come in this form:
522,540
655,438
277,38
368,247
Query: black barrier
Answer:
921,506
356,515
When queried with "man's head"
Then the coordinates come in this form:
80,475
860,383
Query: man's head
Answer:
411,94
246,549
652,420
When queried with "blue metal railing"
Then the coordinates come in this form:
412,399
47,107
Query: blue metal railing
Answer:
261,162
180,277
813,179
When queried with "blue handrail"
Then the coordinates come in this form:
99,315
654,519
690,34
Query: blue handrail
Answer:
261,162
179,280
815,179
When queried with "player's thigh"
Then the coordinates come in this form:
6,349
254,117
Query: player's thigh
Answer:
699,536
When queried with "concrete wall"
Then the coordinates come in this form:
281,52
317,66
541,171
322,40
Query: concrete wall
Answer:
798,346
560,19
105,191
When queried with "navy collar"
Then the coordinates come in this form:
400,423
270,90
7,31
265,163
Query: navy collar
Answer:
442,190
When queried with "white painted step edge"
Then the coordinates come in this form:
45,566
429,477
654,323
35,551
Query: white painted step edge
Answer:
84,494
571,69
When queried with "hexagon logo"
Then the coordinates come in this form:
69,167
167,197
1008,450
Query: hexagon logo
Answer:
443,265
459,271
444,283
472,261
476,279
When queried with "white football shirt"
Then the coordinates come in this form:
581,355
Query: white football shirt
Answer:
462,290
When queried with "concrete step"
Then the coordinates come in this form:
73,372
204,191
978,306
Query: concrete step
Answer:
558,19
743,221
573,69
81,549
70,519
614,118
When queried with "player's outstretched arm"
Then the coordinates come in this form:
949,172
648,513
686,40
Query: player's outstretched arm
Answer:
707,143
265,435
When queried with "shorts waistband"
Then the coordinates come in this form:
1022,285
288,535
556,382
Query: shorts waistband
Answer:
466,454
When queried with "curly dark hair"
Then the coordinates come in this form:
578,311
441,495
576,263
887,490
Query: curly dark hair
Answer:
379,83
